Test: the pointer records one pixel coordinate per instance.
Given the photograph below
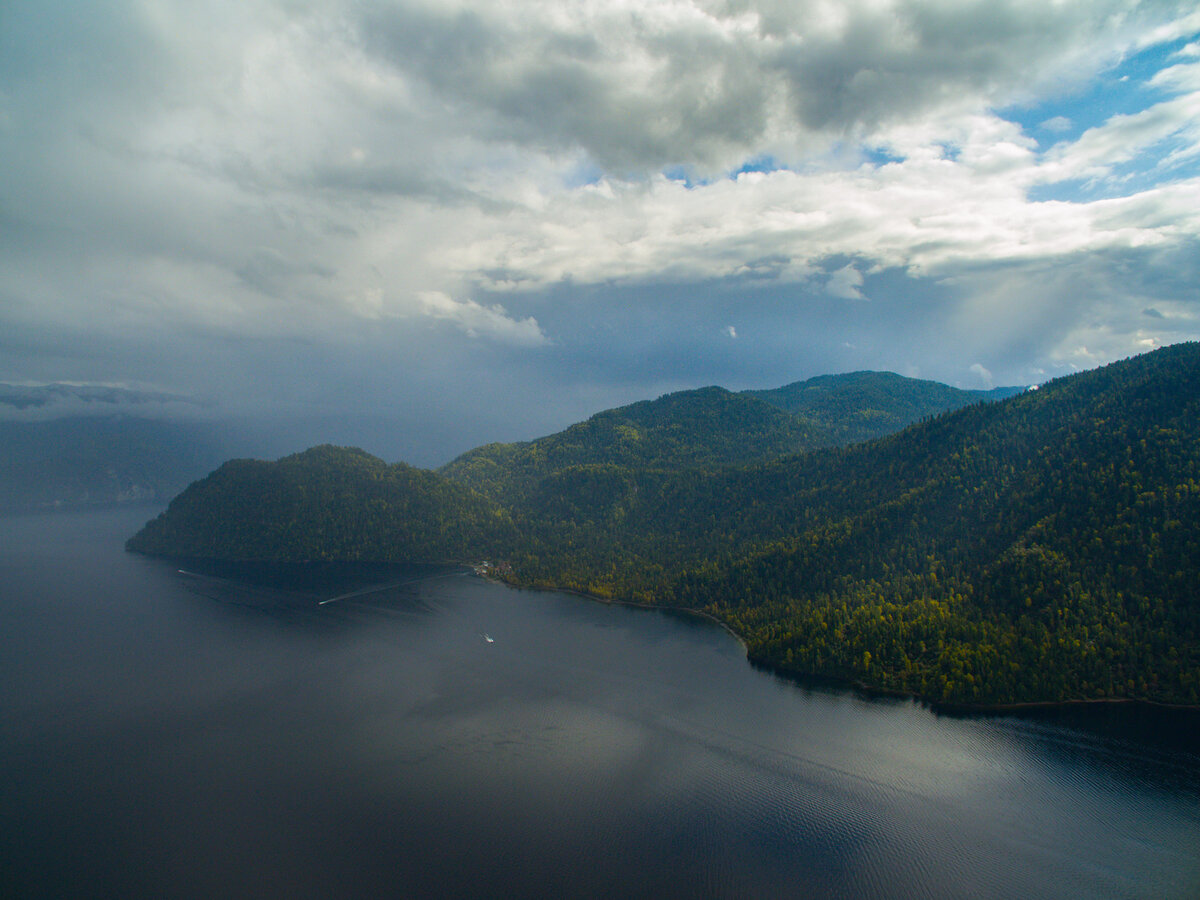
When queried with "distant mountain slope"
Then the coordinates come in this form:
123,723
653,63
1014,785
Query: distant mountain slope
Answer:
93,460
1041,548
711,427
705,428
861,406
327,503
66,445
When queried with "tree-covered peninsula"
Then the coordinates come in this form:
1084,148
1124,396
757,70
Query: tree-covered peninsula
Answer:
1041,548
327,503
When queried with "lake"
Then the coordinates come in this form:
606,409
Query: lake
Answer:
221,732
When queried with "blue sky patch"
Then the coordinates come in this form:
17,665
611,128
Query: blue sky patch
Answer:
878,156
759,164
1122,90
1148,170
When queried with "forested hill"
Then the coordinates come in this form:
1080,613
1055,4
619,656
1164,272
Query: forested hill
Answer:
861,406
1041,548
705,428
711,428
327,503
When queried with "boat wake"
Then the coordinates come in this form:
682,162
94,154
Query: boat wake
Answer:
387,587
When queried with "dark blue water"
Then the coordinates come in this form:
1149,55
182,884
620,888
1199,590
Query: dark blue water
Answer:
224,734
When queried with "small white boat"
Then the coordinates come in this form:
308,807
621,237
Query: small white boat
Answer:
487,637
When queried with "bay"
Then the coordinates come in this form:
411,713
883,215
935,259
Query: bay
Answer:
180,730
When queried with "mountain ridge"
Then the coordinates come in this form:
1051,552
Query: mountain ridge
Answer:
1034,549
864,405
711,427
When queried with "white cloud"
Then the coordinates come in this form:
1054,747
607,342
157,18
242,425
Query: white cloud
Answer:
845,283
267,171
1123,137
1184,24
927,214
984,376
1057,124
351,152
639,85
477,320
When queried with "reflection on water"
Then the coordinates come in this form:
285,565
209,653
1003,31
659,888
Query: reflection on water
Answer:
223,731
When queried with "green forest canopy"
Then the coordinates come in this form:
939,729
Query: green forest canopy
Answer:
1040,548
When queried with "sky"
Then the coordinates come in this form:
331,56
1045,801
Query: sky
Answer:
420,226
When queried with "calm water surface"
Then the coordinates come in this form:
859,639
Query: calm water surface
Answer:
218,733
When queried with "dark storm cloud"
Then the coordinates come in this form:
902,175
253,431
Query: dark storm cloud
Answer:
653,85
1022,321
626,91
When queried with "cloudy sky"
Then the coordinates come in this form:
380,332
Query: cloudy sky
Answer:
423,224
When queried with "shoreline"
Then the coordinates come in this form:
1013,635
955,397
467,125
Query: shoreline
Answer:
858,686
609,601
1079,701
801,679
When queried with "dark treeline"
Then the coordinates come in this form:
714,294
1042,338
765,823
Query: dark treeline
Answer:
1042,548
